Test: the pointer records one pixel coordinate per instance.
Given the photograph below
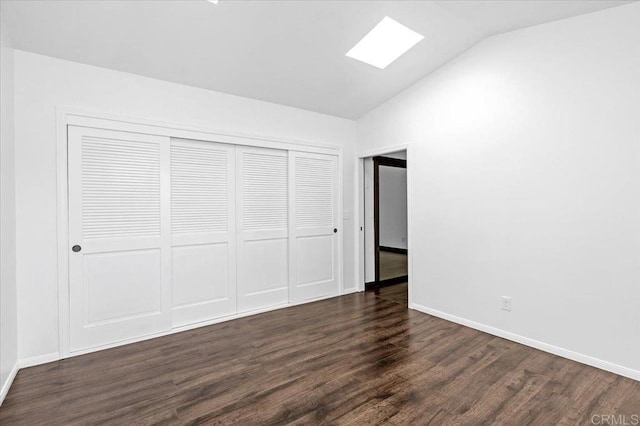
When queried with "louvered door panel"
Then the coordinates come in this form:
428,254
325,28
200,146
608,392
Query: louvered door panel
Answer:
199,187
262,180
120,188
119,278
202,230
314,265
314,192
264,190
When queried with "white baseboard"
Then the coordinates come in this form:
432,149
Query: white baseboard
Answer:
24,363
37,360
7,384
565,353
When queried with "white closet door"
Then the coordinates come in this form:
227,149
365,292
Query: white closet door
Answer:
119,265
263,227
314,267
202,231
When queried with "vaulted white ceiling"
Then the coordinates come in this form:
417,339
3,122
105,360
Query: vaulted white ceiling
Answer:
287,52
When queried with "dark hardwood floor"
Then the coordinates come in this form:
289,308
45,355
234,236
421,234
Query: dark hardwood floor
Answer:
395,293
356,359
393,265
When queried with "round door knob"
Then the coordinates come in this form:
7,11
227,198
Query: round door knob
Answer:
335,230
76,248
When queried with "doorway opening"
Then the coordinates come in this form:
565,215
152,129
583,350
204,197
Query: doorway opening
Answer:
386,249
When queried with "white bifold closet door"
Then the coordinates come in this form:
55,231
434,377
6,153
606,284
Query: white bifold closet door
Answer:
263,223
203,238
165,233
313,240
119,262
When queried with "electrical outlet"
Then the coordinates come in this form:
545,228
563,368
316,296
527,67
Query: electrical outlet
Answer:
506,303
404,240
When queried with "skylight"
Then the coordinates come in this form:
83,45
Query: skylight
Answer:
385,43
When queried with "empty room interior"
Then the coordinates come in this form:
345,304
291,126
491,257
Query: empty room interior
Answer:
320,212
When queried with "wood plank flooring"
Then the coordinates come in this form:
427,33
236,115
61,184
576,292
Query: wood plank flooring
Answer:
357,359
395,293
393,265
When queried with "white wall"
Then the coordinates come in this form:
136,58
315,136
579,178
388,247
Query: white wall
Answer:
8,298
393,207
42,83
525,182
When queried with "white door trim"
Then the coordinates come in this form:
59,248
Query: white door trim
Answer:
359,166
66,116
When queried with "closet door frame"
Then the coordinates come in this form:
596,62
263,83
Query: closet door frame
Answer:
67,116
